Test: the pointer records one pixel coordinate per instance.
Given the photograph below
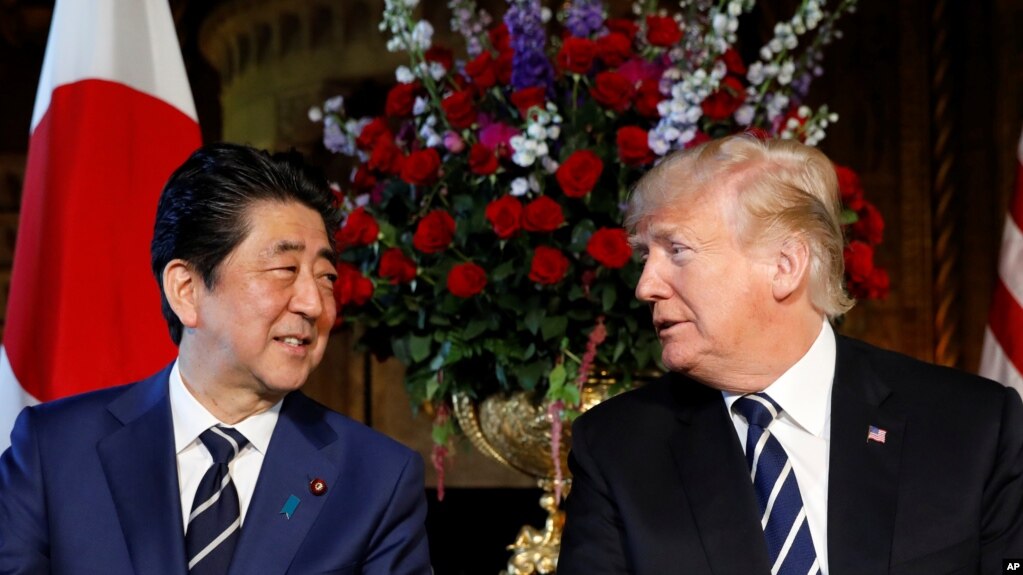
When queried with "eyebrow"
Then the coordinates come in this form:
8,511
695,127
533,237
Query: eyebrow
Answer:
287,246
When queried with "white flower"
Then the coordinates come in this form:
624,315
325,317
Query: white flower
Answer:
744,115
422,35
420,105
404,75
334,105
315,114
549,165
437,70
519,187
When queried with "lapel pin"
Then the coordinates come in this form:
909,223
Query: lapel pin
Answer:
289,506
875,433
317,487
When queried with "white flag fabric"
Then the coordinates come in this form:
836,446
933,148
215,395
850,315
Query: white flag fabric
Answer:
113,118
1002,358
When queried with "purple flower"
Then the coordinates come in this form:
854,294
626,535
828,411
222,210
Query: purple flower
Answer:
530,66
584,17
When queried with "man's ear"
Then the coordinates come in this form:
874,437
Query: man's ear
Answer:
179,285
792,267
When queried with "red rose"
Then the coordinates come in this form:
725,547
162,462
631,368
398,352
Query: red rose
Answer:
878,284
613,49
542,215
647,98
386,157
441,55
633,149
503,67
482,160
733,62
662,31
505,215
622,26
859,260
576,55
549,266
421,168
527,98
396,266
351,286
359,230
579,173
610,247
460,109
613,91
849,187
363,178
870,225
482,71
401,99
726,100
499,37
466,280
434,232
371,133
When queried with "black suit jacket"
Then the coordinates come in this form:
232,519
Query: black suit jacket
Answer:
661,485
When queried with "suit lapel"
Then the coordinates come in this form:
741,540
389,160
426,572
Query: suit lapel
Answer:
295,457
141,470
863,475
710,463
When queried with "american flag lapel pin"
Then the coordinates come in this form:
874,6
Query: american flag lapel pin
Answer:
875,433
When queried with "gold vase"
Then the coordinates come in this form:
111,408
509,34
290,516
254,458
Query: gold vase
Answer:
515,430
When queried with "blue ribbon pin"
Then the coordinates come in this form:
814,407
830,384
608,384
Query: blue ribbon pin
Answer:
289,506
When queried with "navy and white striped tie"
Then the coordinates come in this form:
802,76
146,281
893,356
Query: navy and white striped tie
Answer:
214,525
783,518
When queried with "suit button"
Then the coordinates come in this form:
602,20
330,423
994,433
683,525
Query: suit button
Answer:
317,486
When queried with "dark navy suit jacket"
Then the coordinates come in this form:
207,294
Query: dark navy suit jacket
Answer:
89,485
661,484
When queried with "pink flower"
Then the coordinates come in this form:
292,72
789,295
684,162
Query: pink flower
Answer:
454,143
497,137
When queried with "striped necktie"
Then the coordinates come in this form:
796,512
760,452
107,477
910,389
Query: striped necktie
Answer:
783,518
214,525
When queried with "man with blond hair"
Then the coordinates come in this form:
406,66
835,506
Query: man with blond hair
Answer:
774,445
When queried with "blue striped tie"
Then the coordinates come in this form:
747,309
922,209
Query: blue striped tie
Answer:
782,515
214,525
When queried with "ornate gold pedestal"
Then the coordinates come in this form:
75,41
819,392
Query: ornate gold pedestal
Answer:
515,430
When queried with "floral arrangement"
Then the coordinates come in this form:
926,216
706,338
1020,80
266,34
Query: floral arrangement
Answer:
483,243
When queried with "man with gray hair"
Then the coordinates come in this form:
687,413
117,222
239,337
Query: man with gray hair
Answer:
774,445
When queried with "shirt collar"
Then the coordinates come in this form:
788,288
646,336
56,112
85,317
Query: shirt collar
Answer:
804,390
191,418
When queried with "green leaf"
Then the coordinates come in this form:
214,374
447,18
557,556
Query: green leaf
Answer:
402,350
581,235
419,347
475,327
848,217
608,297
554,327
432,387
557,376
502,271
533,318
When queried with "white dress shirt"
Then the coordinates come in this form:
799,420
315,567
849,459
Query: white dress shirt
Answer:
190,419
804,430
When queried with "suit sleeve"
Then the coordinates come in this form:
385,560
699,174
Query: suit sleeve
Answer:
24,539
1002,524
399,546
593,539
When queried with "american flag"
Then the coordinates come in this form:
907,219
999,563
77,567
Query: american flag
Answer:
877,434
